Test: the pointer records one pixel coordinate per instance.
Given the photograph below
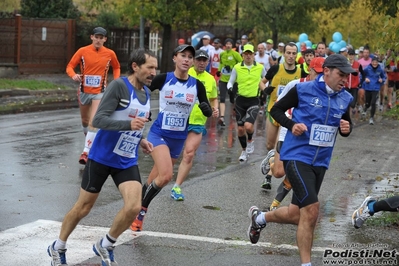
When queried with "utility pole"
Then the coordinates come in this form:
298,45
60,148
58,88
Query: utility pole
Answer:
142,21
236,18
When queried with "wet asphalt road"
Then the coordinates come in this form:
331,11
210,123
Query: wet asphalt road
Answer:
40,178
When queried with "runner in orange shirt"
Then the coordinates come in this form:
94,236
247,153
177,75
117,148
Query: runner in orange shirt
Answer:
94,61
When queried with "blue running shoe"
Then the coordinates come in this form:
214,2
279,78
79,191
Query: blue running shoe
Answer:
106,254
58,256
176,194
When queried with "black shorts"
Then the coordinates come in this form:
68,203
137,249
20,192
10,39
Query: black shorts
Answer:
305,180
95,174
247,110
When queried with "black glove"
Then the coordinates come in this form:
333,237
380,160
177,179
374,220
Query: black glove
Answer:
206,109
218,73
269,90
228,69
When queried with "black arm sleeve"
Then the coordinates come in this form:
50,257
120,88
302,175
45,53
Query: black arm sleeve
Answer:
115,92
271,72
158,82
202,98
346,116
278,110
201,92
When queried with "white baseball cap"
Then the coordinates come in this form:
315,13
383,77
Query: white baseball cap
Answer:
281,44
206,36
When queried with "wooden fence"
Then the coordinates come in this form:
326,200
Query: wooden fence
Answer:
45,46
37,45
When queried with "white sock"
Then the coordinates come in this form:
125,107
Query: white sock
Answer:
108,241
85,129
89,140
260,219
306,264
59,244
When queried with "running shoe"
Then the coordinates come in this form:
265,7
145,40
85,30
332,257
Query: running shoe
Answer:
58,256
371,121
250,147
243,157
176,194
265,164
106,254
83,158
361,214
389,106
381,107
221,122
254,228
137,224
363,114
267,184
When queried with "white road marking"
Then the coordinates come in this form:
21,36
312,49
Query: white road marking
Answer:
27,244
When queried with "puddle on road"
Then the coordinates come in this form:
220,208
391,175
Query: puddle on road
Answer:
335,226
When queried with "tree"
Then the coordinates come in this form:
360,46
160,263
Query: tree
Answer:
181,15
386,7
274,17
49,9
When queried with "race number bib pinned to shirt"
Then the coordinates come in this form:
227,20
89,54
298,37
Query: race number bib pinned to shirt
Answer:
322,135
174,121
92,80
127,145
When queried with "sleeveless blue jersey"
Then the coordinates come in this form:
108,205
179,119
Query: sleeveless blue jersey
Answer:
119,149
176,100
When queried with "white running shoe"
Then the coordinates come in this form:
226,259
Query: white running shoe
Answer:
371,121
265,165
243,157
250,147
361,214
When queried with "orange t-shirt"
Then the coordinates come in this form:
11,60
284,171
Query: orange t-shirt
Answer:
94,66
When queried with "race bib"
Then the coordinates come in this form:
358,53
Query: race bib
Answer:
126,145
322,135
92,80
174,121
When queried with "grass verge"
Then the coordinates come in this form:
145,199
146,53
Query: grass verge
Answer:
30,84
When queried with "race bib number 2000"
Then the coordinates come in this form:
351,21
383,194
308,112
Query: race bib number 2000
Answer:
322,135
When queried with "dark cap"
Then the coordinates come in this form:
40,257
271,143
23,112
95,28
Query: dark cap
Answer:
351,52
100,31
216,41
201,53
228,40
244,37
341,62
182,48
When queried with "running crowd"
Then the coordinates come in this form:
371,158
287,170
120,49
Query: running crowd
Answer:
309,96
